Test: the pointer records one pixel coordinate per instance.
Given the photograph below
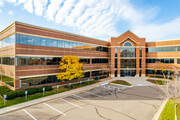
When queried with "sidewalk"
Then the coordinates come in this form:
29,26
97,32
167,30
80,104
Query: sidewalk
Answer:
44,99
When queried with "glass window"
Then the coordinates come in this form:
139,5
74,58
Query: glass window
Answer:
127,44
128,52
30,40
171,60
23,61
37,61
178,48
23,39
116,50
43,61
54,43
37,41
49,61
166,61
172,48
43,41
60,44
48,42
17,38
178,60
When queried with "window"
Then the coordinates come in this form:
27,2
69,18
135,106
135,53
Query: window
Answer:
37,41
54,43
116,51
23,39
178,60
127,44
140,52
30,40
128,52
48,41
43,41
60,44
8,60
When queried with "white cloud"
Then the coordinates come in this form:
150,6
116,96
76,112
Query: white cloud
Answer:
64,11
53,8
12,1
1,3
29,6
10,12
40,6
99,18
0,10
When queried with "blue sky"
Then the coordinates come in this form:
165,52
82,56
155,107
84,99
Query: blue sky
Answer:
153,19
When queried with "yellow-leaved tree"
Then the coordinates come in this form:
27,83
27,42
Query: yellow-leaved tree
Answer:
71,67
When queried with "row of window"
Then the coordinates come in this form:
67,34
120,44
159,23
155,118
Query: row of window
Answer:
23,61
39,41
159,72
7,41
163,49
98,73
128,63
99,60
7,60
26,82
162,60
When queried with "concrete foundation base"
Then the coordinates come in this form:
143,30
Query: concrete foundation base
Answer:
112,75
143,75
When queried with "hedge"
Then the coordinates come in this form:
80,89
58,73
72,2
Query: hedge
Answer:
20,93
4,90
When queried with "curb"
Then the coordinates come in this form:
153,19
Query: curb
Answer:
158,113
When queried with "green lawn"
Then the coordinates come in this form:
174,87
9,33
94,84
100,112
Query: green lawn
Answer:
121,82
157,82
40,95
168,112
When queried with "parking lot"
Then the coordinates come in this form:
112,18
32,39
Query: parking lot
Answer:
107,102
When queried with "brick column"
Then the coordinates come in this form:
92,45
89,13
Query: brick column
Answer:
143,66
137,62
175,60
118,63
16,83
112,72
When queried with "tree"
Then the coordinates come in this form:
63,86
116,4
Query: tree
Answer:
71,68
172,87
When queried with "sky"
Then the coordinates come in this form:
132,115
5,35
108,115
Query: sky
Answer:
154,20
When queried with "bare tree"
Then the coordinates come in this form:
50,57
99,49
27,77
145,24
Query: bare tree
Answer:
172,86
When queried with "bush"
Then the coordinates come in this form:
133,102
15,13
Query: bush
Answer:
20,93
4,90
11,95
48,88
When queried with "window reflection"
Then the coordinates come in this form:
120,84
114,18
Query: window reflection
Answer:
128,52
32,40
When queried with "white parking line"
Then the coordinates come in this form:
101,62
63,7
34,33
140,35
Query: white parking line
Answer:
71,103
85,98
29,114
55,109
94,94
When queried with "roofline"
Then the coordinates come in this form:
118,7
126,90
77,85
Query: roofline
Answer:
163,41
59,31
7,27
125,32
